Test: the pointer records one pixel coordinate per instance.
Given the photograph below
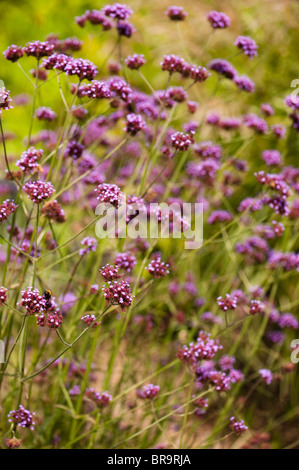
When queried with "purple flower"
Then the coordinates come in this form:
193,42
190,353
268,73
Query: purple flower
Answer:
238,427
125,29
110,193
158,268
29,160
110,273
181,141
22,417
3,296
267,109
149,391
74,149
101,399
271,157
247,45
229,303
176,13
223,67
172,63
38,49
218,19
205,348
134,124
95,17
7,208
279,131
276,337
38,191
219,216
292,101
255,122
208,149
84,69
120,88
5,99
52,210
118,11
90,244
244,83
90,320
287,320
227,362
13,53
256,307
266,374
118,293
125,261
45,114
56,61
199,74
135,61
32,301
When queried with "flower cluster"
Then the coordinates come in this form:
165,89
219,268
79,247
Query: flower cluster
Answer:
22,417
149,391
38,191
29,160
6,208
118,293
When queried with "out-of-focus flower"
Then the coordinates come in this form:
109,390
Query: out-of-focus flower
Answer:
247,45
218,19
22,417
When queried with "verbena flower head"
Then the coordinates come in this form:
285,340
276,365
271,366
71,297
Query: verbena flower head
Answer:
256,307
90,320
56,61
149,391
13,53
228,303
125,28
267,109
22,417
176,13
287,320
74,149
271,157
181,141
110,272
172,63
238,427
90,244
120,88
158,268
125,261
39,49
83,68
52,210
118,293
256,123
7,208
278,130
32,301
199,74
45,114
3,295
223,67
110,193
118,11
5,99
95,89
135,61
29,160
266,375
219,216
38,191
218,19
205,348
101,399
247,45
134,124
244,83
